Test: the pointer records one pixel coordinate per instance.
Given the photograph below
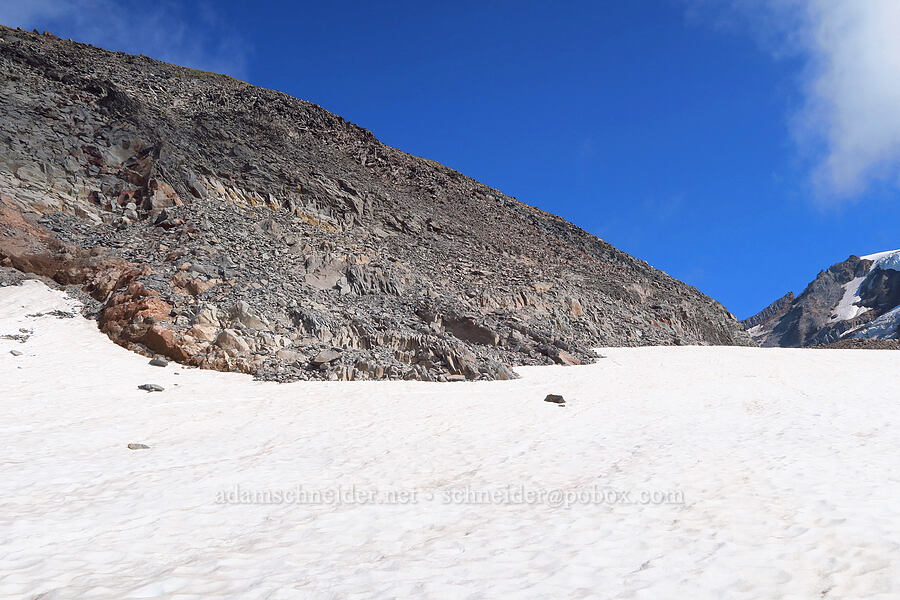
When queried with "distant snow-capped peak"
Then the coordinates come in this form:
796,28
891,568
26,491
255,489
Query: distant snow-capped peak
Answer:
855,298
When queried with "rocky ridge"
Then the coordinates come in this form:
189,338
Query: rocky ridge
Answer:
858,298
231,227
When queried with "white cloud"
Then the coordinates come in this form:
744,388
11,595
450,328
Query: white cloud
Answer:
163,29
853,94
849,122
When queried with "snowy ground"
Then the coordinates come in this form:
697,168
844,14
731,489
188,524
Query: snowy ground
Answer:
672,473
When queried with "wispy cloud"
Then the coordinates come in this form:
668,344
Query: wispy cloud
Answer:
192,35
849,122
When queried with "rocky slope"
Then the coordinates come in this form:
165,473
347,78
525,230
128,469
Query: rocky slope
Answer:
238,228
858,298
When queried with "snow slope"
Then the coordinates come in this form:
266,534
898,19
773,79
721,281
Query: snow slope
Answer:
848,308
775,474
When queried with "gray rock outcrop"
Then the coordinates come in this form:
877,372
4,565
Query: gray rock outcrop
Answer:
237,228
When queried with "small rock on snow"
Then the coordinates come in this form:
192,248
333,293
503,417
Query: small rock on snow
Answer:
151,387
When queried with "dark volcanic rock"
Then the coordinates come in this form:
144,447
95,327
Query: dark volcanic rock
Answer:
237,228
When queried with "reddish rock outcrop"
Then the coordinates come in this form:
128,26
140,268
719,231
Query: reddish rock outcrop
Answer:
131,313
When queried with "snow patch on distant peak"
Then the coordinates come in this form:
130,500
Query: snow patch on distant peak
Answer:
884,327
878,255
848,308
885,260
891,261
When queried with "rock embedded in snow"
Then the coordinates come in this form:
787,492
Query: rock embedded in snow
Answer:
15,352
59,314
555,399
159,362
151,387
134,446
564,358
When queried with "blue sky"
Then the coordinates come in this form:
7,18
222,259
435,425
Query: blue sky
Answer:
739,146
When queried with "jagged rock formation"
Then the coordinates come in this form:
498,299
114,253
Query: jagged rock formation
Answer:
233,227
854,299
770,313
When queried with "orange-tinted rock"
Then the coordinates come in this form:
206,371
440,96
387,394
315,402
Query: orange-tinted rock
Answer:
192,285
164,341
126,308
161,195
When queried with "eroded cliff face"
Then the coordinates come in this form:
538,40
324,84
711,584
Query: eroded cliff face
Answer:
853,299
238,228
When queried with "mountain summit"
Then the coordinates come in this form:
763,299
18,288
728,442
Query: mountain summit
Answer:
858,298
237,228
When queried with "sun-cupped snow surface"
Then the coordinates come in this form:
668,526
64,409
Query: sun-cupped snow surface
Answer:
885,260
670,473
